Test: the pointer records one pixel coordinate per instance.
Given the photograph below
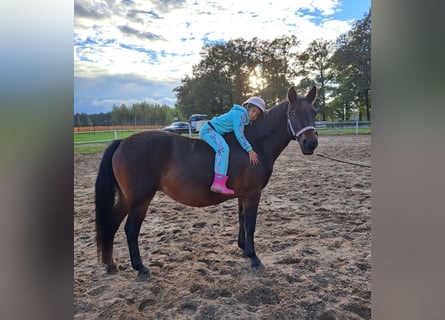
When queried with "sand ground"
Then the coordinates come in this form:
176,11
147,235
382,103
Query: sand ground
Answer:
313,236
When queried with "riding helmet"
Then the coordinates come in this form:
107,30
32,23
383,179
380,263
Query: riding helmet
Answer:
257,101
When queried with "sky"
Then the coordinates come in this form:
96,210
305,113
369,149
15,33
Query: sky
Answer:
130,51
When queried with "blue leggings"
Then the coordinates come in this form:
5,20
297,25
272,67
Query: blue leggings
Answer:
217,142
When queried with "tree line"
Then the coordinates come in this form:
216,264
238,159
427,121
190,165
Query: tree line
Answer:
230,72
138,114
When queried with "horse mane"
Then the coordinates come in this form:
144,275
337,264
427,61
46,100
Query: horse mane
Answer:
263,126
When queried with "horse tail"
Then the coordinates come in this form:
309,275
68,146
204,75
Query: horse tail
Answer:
105,188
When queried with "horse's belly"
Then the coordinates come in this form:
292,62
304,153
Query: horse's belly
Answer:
195,199
190,193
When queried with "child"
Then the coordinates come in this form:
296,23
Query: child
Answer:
234,120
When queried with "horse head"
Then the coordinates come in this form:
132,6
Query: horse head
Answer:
301,119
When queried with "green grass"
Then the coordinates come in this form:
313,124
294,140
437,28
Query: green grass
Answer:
101,136
344,131
84,142
97,142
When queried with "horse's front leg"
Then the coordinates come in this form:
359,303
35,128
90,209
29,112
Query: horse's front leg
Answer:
250,203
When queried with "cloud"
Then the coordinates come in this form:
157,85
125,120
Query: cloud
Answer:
100,93
93,11
139,15
160,41
129,31
165,6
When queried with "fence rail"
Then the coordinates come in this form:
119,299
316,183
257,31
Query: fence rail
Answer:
338,126
104,136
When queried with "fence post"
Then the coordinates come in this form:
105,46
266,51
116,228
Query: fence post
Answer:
356,127
115,134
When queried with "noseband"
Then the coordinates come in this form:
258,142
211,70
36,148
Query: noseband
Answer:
299,133
296,136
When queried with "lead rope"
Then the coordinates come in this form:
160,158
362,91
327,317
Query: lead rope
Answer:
296,135
344,161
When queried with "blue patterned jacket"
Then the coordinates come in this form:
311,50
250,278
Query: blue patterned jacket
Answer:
234,120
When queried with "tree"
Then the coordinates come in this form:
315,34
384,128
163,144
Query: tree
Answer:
224,75
82,119
275,65
229,65
352,61
218,80
119,115
315,68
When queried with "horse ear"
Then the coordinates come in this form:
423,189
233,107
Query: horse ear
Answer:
291,95
312,95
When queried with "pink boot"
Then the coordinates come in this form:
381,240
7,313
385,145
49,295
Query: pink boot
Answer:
219,184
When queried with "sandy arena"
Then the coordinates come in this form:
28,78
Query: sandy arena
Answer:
313,235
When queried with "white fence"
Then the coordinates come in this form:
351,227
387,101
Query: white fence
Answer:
104,136
118,134
338,125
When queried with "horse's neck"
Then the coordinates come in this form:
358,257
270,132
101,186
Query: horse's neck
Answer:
275,143
278,136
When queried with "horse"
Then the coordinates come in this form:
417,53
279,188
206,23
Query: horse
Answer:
133,169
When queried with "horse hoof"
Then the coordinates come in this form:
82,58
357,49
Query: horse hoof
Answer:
257,264
143,274
112,269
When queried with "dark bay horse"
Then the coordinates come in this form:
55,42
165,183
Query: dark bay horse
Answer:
138,166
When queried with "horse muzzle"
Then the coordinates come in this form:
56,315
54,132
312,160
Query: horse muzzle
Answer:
308,142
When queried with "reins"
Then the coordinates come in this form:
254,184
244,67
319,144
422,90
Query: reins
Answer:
343,161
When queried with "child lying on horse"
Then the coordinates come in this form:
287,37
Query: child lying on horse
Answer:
234,120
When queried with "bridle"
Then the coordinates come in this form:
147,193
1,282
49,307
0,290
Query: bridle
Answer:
295,136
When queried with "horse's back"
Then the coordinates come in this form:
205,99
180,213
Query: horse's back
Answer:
155,149
179,166
154,160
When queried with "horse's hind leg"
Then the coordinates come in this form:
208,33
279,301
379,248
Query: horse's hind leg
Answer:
118,214
132,227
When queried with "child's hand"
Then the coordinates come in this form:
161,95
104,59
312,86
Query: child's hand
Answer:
253,157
